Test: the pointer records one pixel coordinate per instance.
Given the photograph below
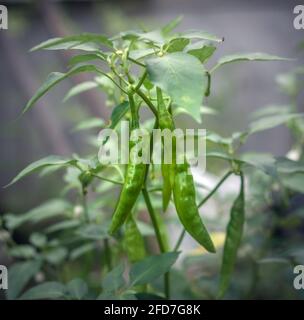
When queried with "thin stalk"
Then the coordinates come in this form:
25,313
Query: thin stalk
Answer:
107,179
214,189
136,62
211,193
147,101
85,205
141,81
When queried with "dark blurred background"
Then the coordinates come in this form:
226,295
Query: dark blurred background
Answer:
237,89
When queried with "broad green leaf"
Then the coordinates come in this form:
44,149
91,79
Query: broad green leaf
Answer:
19,275
293,181
285,165
270,122
202,35
256,56
91,123
233,240
23,251
201,50
81,250
151,268
271,110
74,41
49,209
56,77
177,44
153,37
171,25
80,88
77,289
63,225
56,256
262,161
182,77
92,232
42,163
37,239
114,280
118,113
47,290
141,53
80,58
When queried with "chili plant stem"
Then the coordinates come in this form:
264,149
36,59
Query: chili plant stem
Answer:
215,189
85,205
211,193
107,179
147,101
158,237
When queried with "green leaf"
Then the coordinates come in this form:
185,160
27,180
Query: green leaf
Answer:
37,239
182,77
81,250
202,35
256,56
285,165
23,251
141,53
56,255
201,50
114,280
56,77
118,113
270,111
19,275
151,268
233,240
80,58
49,209
177,44
63,225
270,122
80,88
262,161
92,232
293,181
42,163
171,25
77,289
71,42
47,290
90,123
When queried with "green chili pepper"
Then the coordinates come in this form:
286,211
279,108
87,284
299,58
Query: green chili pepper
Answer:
233,239
185,203
134,242
134,179
166,122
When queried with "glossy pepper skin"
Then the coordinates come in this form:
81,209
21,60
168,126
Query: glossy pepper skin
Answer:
166,122
134,179
185,203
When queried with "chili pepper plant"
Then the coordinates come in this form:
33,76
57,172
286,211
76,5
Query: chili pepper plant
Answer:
109,232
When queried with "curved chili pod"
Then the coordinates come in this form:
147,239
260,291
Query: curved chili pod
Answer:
185,203
166,122
134,242
134,179
233,239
